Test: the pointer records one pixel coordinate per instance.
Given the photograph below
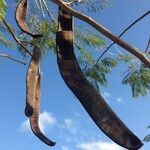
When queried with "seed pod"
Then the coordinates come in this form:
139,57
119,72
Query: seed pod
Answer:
20,16
34,119
91,100
31,77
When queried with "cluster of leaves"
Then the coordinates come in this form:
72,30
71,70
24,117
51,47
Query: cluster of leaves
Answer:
139,80
97,74
87,37
147,138
3,39
3,6
137,76
48,30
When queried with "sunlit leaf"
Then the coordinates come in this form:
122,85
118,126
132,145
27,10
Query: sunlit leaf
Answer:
138,80
3,6
85,54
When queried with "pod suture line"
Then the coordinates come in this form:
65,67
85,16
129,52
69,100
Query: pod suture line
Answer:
20,16
90,99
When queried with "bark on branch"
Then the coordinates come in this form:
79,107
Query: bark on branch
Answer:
133,50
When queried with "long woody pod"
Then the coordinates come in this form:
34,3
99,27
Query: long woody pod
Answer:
31,76
34,119
20,16
90,99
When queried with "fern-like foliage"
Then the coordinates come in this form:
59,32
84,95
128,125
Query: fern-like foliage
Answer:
87,37
147,137
97,74
139,80
137,76
3,6
85,54
48,30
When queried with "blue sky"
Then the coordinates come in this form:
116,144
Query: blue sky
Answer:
62,117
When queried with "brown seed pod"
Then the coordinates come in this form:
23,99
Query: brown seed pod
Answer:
34,119
90,99
31,76
20,16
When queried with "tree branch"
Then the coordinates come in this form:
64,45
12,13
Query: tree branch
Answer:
12,58
148,44
15,38
104,31
137,20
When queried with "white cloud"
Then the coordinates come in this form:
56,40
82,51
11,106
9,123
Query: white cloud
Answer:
25,126
106,96
65,148
45,121
71,125
119,99
99,145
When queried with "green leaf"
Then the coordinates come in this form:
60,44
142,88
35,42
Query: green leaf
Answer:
109,62
99,71
85,54
3,6
86,37
147,138
139,81
125,57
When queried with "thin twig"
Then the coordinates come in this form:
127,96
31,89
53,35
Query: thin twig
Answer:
148,44
48,11
37,4
12,58
27,42
15,38
73,1
144,15
41,7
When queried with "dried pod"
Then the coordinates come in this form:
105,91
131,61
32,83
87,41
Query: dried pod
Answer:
34,119
31,76
20,16
90,99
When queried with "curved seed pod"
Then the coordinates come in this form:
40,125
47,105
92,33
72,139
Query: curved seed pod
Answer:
31,76
20,17
90,99
34,119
